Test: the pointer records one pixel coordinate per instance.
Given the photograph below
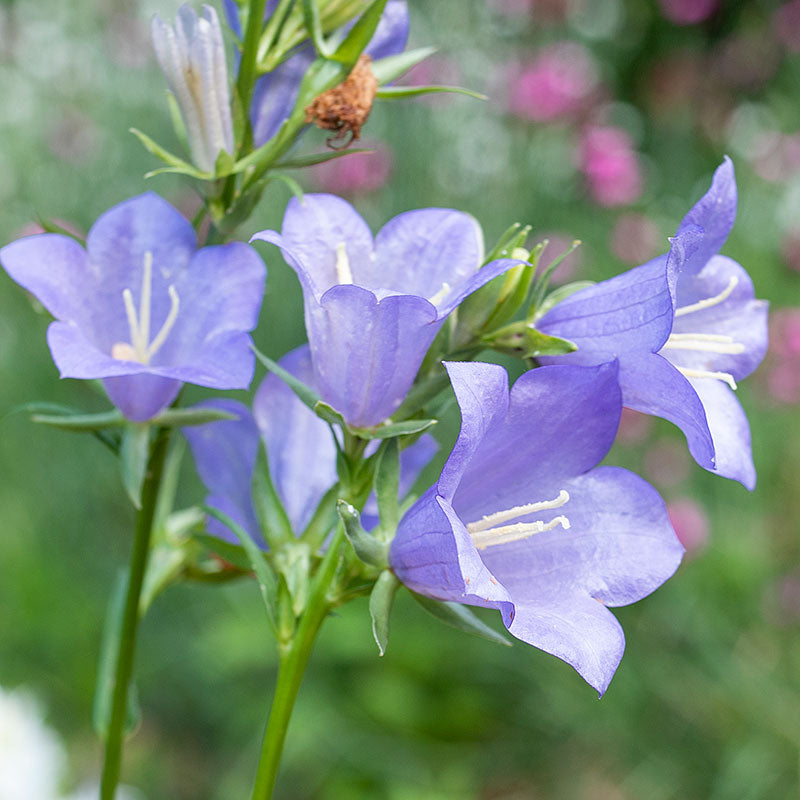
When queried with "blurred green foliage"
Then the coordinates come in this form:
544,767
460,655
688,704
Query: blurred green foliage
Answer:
706,703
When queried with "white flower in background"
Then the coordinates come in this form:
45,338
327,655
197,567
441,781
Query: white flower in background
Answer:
192,57
32,758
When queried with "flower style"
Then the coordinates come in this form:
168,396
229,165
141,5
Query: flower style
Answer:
373,308
520,520
684,327
300,450
192,57
141,307
276,92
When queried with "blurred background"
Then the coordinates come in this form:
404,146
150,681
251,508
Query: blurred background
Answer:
605,121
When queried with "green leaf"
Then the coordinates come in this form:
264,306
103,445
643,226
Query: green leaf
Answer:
267,581
319,158
397,92
314,27
380,607
359,35
305,393
81,422
392,67
562,293
133,454
460,617
327,412
107,665
387,485
272,517
230,552
393,429
366,547
522,340
175,164
182,417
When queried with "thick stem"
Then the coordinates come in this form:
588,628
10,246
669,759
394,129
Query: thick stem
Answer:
293,663
127,643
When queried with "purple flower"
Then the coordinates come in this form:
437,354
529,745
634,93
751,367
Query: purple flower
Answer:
520,521
192,57
141,307
276,92
373,307
685,327
300,451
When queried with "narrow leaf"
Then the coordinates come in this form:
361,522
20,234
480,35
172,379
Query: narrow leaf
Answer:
231,553
81,422
359,35
459,616
176,163
319,158
314,26
323,520
393,429
387,485
329,414
107,664
392,67
380,607
267,581
50,226
305,393
272,517
562,293
366,546
397,92
133,455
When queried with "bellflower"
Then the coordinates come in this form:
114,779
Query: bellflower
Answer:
521,520
684,327
141,307
300,451
192,57
276,92
373,307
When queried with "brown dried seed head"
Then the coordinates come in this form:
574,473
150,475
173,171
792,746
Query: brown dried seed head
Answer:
345,107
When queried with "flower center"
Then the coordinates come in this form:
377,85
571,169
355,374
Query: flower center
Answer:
492,529
141,349
343,272
706,342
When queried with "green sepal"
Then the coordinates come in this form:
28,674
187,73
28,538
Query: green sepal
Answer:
380,607
175,163
359,36
562,293
319,158
224,165
134,453
523,340
50,226
398,92
366,547
178,124
323,519
267,581
270,513
392,429
107,665
314,27
392,67
422,393
293,563
387,485
540,287
459,616
305,393
231,553
328,413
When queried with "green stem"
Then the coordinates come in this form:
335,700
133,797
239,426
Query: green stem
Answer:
293,663
247,67
127,643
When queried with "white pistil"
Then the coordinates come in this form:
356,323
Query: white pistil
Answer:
704,342
141,349
343,272
441,294
709,302
490,530
703,373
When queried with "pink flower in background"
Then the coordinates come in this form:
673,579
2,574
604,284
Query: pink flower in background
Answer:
790,250
786,25
690,522
781,375
636,239
611,166
357,173
557,82
569,268
666,462
634,426
687,12
512,8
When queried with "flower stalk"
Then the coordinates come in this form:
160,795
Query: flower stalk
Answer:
127,644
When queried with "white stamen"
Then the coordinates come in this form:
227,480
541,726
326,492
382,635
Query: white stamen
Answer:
140,348
702,373
709,301
515,533
343,272
441,294
704,342
489,530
